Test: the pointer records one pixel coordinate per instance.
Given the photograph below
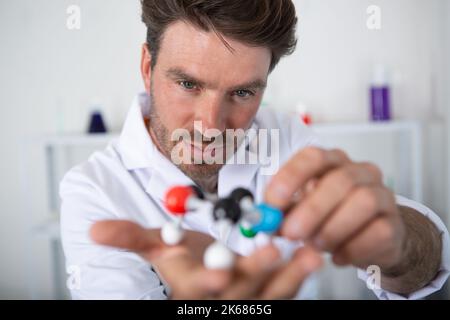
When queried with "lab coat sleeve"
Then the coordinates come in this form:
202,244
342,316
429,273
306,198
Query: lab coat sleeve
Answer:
98,272
444,270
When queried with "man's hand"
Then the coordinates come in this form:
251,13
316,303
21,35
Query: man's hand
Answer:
259,276
343,207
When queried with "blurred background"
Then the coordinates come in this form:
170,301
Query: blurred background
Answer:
371,77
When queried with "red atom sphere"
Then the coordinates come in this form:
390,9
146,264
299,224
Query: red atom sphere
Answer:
176,199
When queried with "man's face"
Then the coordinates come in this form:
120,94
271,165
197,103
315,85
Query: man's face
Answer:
197,78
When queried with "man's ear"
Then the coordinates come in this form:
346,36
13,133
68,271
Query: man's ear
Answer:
146,67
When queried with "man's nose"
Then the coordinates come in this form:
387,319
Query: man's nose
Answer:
211,113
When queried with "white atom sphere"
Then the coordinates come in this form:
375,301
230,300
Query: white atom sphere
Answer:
172,234
218,256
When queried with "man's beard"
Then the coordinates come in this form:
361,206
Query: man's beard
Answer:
196,171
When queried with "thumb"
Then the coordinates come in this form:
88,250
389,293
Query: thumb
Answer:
126,235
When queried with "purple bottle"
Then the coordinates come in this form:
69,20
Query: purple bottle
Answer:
380,100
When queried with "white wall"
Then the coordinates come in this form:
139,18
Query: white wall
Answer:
444,94
49,75
336,50
446,103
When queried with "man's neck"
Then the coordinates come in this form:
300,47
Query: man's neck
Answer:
208,184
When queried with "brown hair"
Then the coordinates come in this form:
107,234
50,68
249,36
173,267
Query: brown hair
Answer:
264,23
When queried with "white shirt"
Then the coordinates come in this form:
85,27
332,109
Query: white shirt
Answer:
128,181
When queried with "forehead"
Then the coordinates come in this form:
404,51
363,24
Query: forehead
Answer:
205,55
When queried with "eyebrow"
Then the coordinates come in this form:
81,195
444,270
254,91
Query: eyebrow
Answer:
177,73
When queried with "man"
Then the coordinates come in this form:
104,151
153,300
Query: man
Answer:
205,67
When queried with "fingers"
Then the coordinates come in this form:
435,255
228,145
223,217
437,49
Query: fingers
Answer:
361,206
177,265
251,272
305,165
126,235
287,281
377,242
262,259
347,210
189,279
305,218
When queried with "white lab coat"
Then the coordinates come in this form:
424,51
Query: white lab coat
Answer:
128,181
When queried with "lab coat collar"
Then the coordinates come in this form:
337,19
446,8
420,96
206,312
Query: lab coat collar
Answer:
135,144
139,152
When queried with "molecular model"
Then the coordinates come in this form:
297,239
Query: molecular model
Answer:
238,208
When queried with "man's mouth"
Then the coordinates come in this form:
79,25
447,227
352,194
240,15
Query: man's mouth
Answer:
200,151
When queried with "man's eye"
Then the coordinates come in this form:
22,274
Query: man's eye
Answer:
189,85
243,93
